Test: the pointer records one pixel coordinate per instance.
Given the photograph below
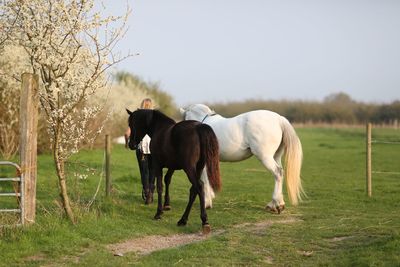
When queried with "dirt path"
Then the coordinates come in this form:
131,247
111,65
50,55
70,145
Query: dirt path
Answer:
148,244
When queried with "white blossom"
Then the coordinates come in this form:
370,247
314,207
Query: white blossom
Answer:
71,47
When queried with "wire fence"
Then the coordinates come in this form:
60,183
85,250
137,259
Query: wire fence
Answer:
385,142
374,141
369,142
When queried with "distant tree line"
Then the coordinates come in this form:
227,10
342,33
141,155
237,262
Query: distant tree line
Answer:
335,108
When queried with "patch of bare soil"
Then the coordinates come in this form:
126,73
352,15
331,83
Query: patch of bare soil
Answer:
64,261
261,226
269,260
340,238
37,257
305,253
148,244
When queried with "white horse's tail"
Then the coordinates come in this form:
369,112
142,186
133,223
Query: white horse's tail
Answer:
209,194
293,158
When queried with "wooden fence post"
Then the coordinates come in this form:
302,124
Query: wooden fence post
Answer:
369,161
107,167
29,104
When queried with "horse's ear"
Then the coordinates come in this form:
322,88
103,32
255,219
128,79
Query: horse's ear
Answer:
182,111
129,112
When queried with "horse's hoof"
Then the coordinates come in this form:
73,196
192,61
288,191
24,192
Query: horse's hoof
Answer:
280,208
275,210
157,216
148,201
167,207
206,229
181,223
271,210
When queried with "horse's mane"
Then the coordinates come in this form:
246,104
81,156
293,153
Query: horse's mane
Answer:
161,116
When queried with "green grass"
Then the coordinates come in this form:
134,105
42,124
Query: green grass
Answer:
337,225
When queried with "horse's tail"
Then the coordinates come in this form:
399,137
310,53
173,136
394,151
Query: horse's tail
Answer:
209,150
293,158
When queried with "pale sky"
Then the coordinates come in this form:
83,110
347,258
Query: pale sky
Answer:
231,50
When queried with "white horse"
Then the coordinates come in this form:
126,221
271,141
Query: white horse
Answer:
262,133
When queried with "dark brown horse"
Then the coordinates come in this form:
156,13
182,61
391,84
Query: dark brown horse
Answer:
188,145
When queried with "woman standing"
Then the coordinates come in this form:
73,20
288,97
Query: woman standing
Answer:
143,156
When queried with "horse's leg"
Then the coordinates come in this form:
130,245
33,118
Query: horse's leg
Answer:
277,195
267,159
269,150
277,204
203,213
185,216
151,176
158,174
167,181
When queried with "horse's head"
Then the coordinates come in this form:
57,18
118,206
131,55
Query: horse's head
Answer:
196,112
139,123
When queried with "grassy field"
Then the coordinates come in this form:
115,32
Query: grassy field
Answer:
337,225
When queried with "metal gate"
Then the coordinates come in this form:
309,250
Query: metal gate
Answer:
20,195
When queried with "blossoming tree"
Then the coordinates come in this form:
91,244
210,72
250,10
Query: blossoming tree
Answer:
12,61
70,45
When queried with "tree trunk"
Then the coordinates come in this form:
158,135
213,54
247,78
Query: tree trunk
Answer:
63,189
60,164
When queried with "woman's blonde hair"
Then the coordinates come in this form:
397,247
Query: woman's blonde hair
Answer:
146,104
